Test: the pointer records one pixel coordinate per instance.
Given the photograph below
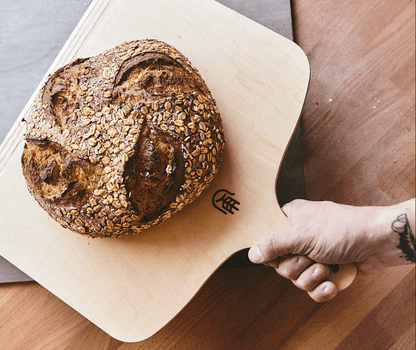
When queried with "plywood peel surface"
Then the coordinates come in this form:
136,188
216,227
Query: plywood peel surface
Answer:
131,287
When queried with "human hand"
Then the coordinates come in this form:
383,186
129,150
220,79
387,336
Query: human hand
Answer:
324,233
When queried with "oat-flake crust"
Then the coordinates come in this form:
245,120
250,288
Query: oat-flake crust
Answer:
121,141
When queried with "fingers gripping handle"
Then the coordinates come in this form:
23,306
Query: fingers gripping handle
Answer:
341,275
344,276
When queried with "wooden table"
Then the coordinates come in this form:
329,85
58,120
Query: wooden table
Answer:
358,131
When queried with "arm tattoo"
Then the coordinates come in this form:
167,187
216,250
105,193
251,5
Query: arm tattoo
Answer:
407,239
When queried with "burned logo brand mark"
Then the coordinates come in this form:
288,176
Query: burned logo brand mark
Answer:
224,201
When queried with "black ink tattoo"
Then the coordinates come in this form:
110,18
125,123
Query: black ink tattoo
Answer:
407,239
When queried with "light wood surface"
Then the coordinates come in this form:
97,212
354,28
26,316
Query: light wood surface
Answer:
27,31
259,80
361,56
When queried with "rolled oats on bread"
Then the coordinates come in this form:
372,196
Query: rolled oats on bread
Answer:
121,141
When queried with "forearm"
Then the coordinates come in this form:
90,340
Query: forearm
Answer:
402,229
395,232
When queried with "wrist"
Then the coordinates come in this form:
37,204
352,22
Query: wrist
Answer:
395,233
404,227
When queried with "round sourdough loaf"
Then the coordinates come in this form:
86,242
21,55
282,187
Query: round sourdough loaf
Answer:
121,141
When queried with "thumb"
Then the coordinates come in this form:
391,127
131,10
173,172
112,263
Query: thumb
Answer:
273,245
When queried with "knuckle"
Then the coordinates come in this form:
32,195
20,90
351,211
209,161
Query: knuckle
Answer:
324,292
266,247
288,272
301,284
292,267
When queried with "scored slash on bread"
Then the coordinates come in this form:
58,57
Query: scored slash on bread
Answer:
120,141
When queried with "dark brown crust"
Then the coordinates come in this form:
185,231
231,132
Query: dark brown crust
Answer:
145,174
121,141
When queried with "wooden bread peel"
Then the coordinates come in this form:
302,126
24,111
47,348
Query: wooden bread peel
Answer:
132,286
